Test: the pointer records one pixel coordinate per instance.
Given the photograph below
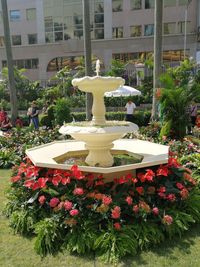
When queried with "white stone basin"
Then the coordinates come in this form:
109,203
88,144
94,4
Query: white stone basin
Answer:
99,140
153,154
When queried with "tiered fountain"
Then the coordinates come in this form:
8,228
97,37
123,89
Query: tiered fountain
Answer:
99,139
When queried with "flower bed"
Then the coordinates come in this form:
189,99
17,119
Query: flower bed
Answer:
81,213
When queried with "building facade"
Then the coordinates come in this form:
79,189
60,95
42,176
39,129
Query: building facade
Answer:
47,35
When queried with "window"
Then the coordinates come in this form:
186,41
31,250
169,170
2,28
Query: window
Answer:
2,42
117,32
117,5
183,2
149,4
16,40
181,26
15,15
98,34
24,63
169,2
136,4
61,62
32,38
170,28
31,14
149,30
135,30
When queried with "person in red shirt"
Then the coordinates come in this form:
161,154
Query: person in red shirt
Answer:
3,115
18,122
6,124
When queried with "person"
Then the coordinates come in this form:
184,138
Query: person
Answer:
193,115
34,115
18,122
130,107
6,124
3,114
45,108
29,112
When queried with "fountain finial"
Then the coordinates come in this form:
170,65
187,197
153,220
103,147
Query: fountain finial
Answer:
97,67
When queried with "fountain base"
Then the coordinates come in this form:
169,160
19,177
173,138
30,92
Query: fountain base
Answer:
47,156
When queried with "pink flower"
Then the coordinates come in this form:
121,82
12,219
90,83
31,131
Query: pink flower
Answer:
54,202
78,191
68,205
136,208
74,212
116,212
167,219
155,211
117,226
42,199
171,197
179,186
107,200
129,200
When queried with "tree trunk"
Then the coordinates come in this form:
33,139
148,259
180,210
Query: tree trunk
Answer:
11,79
88,54
158,24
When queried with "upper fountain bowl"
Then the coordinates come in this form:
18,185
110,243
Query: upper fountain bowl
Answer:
98,84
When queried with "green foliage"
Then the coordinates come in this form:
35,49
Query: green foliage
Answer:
62,111
180,88
48,239
22,222
8,158
48,119
192,161
117,68
81,238
112,245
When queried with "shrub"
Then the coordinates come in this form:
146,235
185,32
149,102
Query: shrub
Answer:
84,214
62,111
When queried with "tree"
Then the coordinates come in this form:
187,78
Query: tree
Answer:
88,53
12,89
158,18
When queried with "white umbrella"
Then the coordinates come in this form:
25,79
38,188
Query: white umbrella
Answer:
123,90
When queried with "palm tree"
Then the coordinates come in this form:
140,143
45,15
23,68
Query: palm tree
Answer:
12,89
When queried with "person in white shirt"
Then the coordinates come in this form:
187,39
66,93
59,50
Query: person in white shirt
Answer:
130,107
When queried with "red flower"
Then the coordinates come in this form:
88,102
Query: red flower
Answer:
129,200
98,183
32,171
68,205
179,186
78,191
162,170
116,212
155,211
56,179
107,200
15,179
42,199
140,190
184,193
171,197
22,168
162,189
134,180
54,202
167,219
117,226
149,175
66,180
172,162
74,212
141,177
42,182
77,173
29,183
136,208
